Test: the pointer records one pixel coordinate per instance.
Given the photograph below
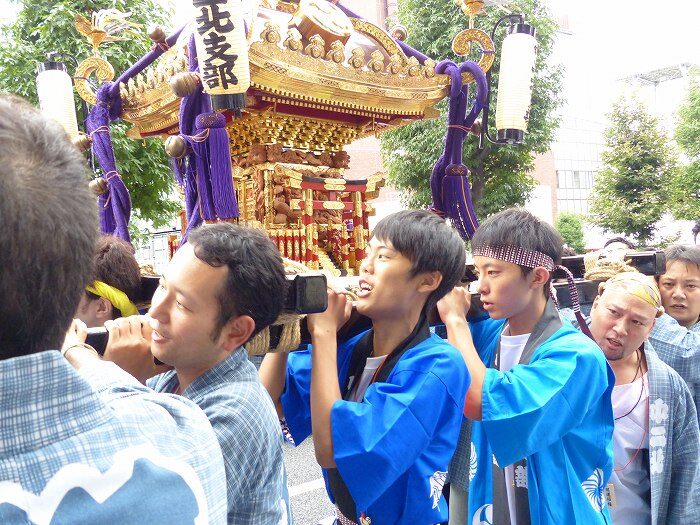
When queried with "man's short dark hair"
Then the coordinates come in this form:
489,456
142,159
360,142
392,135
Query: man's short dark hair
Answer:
48,227
114,263
684,254
518,227
429,243
256,285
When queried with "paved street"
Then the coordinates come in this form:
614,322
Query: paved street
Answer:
306,489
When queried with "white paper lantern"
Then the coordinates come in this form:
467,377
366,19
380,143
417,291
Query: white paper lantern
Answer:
55,90
518,54
222,52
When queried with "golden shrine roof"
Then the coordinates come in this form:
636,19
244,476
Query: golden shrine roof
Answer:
361,76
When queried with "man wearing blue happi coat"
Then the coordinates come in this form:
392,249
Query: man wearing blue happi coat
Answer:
385,406
536,447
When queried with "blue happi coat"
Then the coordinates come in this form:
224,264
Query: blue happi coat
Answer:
393,448
553,411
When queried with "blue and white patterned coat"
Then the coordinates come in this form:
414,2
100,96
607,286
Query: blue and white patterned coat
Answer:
679,347
674,446
99,447
674,441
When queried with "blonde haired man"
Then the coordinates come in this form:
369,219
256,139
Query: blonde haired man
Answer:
656,438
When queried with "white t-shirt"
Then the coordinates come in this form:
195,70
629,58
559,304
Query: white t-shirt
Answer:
512,347
631,485
361,386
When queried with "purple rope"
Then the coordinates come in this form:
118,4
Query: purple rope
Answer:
191,106
115,206
206,172
145,61
449,184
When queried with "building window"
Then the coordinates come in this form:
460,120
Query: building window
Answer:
573,190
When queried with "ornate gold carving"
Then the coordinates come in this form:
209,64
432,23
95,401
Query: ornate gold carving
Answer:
289,7
461,46
333,205
271,33
396,64
96,65
429,68
316,47
413,69
471,7
292,77
357,59
381,36
376,61
293,40
292,132
104,26
337,52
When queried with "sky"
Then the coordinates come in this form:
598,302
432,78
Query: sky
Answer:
614,39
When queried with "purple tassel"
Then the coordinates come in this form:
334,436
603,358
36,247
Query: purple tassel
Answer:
218,159
449,184
206,171
201,174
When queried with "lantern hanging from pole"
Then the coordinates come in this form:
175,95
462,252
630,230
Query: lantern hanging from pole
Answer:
55,90
222,52
518,55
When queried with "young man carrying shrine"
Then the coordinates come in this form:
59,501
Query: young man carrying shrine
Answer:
537,445
385,406
221,288
656,441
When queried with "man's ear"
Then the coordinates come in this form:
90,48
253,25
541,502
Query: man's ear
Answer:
540,276
236,332
429,281
104,310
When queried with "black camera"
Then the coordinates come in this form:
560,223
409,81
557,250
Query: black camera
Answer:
306,293
97,338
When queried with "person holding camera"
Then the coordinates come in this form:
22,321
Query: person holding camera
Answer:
115,286
219,290
93,445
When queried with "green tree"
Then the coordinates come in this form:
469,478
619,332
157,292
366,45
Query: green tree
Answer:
684,188
629,193
43,26
570,227
499,175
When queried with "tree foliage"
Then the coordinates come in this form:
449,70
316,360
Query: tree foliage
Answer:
684,189
570,227
43,26
499,175
629,193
